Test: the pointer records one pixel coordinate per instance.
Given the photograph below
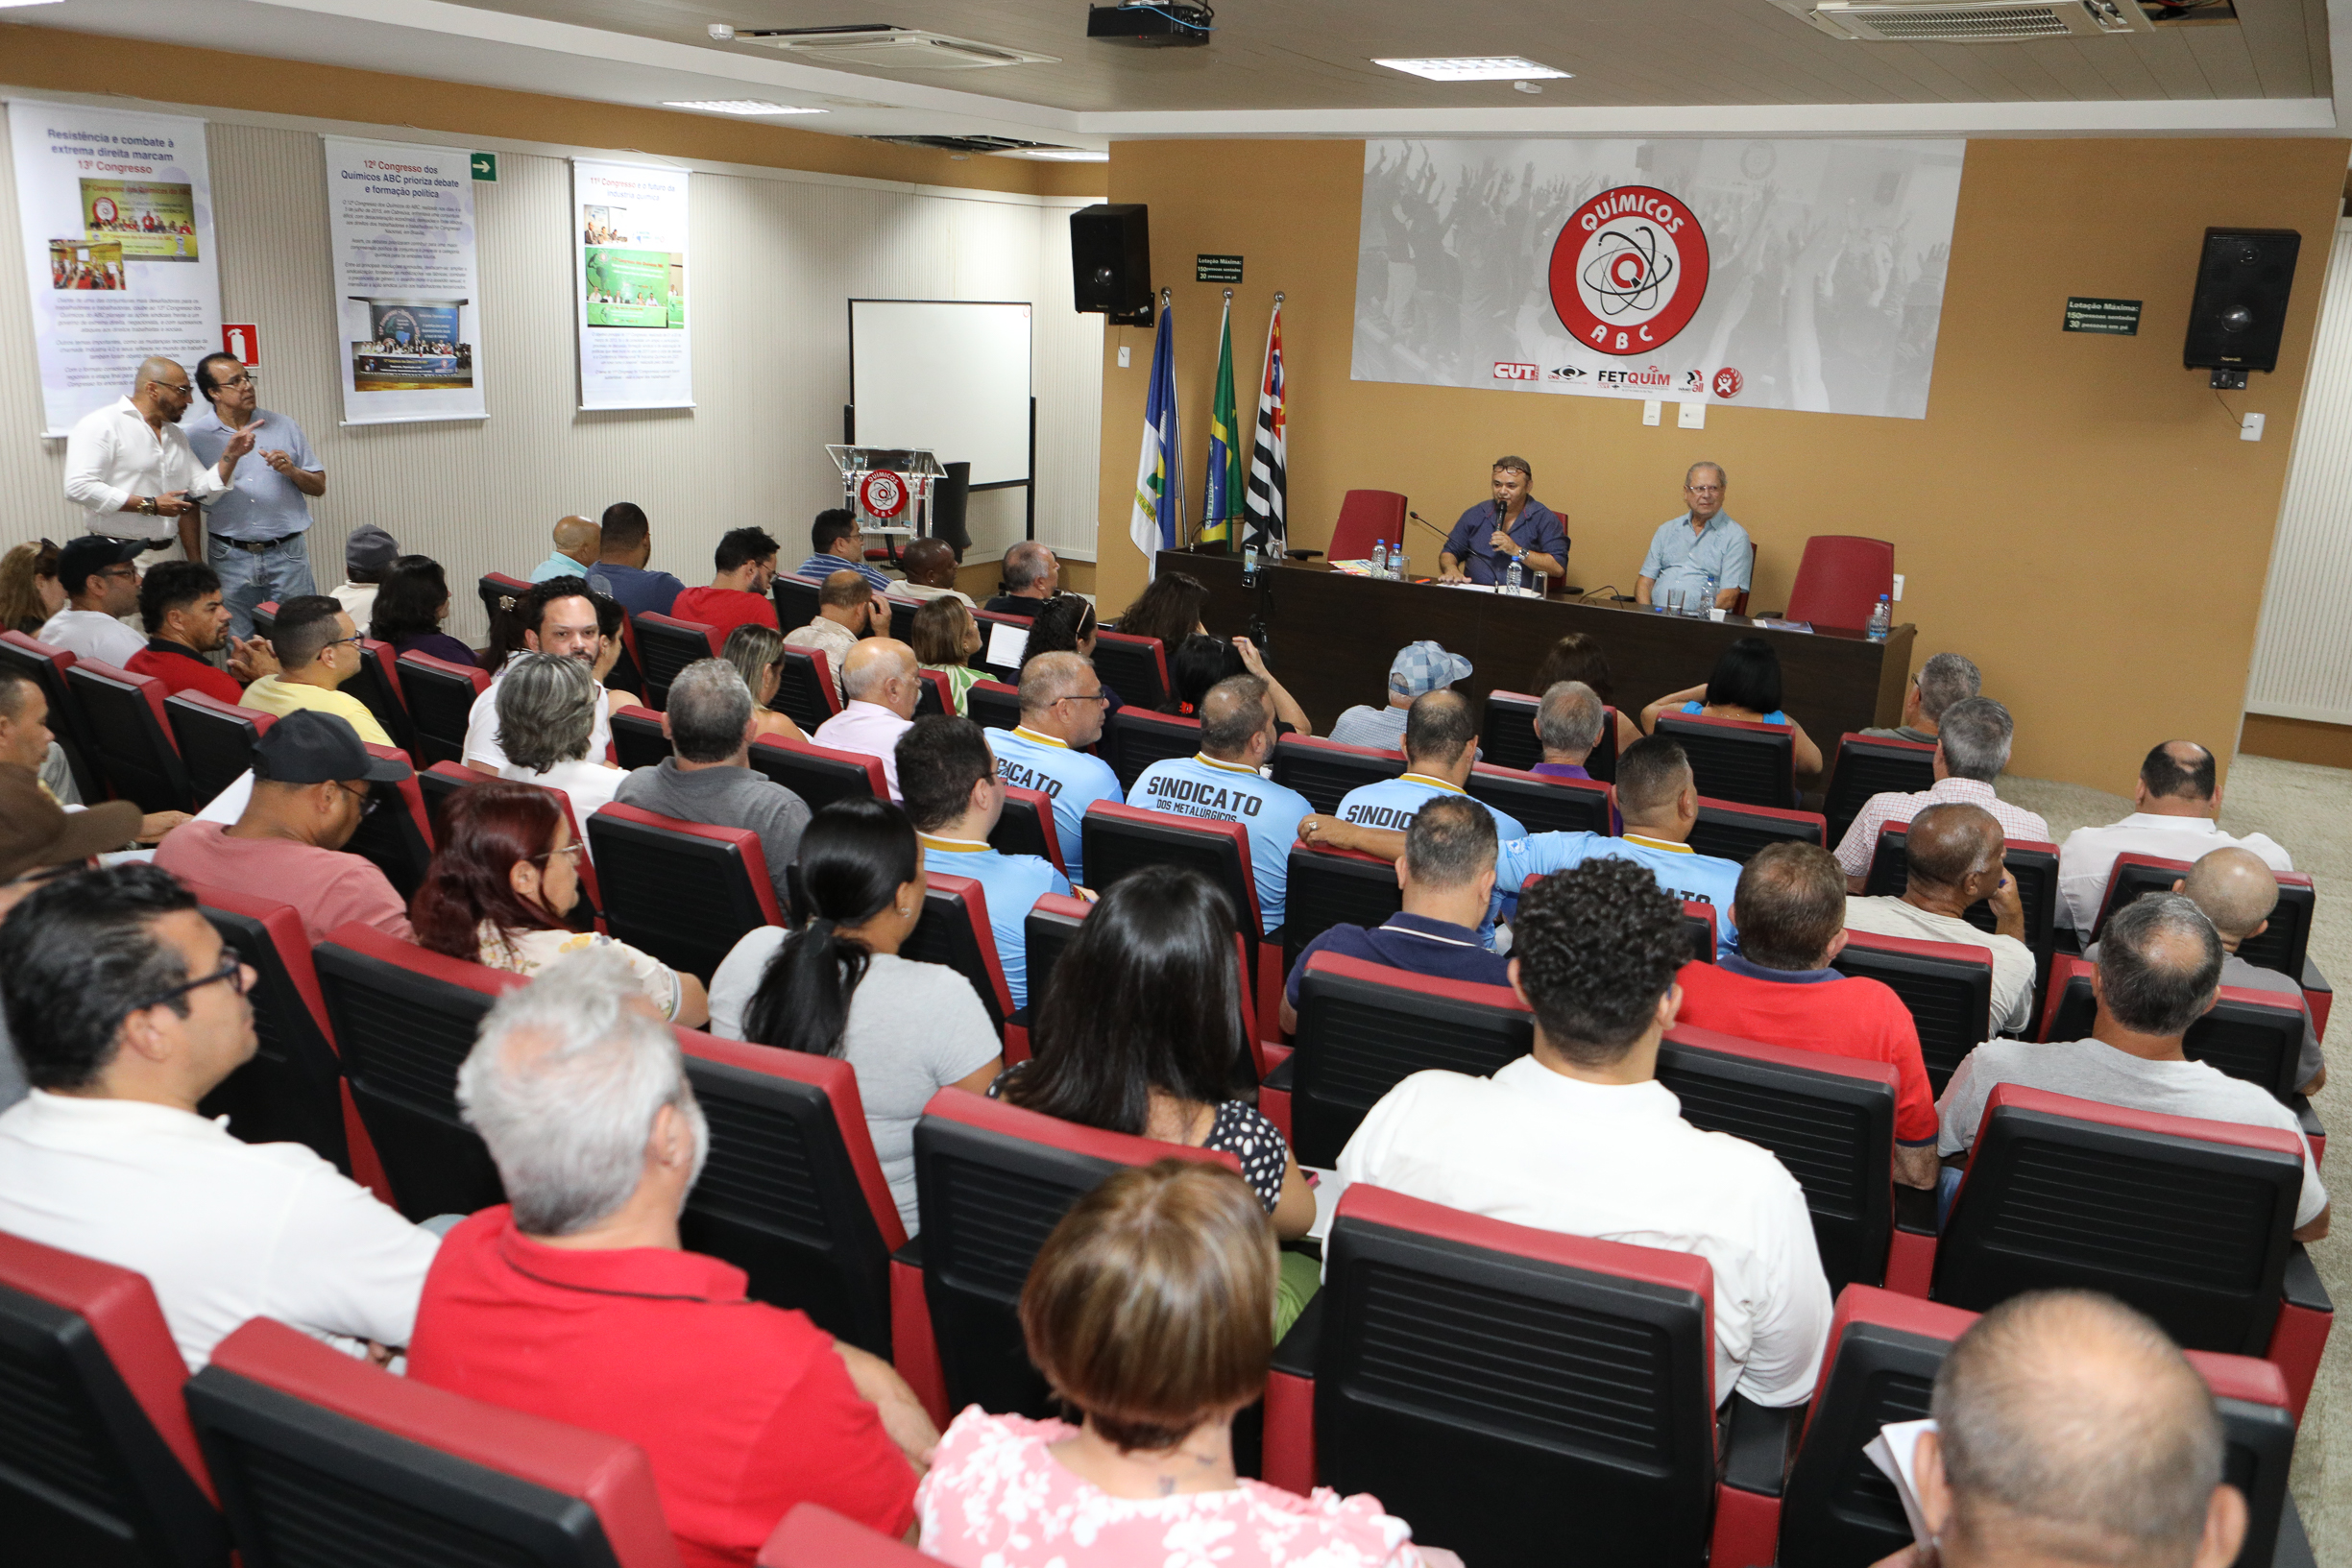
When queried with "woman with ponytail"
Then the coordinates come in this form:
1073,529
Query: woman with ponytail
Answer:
835,986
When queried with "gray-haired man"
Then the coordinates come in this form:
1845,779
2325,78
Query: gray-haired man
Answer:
708,776
1942,681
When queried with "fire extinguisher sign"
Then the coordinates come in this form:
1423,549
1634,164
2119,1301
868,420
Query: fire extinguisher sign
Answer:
243,340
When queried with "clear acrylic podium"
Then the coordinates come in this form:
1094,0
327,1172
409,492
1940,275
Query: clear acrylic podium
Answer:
888,489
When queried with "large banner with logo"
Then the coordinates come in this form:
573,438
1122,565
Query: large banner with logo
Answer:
115,210
629,229
1805,274
408,292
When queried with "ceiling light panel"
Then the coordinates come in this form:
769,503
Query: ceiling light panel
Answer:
1475,68
734,105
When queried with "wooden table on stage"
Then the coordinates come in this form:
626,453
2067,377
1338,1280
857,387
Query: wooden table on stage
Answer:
1333,637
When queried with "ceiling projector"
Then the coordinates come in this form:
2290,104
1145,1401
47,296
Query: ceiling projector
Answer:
1157,24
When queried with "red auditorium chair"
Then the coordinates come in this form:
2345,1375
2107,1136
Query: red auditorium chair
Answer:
1136,667
1482,1379
1331,887
685,892
2284,944
393,833
1507,735
404,1018
500,593
933,695
215,740
818,775
1947,986
797,600
2188,1220
101,1464
804,688
814,1537
993,1181
441,696
134,741
1839,580
438,783
1026,827
1699,926
442,779
791,1193
1735,832
1364,516
1325,770
902,611
45,666
1735,759
322,1458
1132,741
1867,765
953,930
265,619
2034,865
670,645
639,739
377,686
1541,804
992,705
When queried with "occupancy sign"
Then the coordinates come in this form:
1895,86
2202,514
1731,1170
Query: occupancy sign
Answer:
2119,317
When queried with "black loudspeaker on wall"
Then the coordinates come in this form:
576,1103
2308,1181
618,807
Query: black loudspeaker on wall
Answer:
2240,309
1110,262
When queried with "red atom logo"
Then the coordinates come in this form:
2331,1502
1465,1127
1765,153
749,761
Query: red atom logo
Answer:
883,492
1629,270
1727,382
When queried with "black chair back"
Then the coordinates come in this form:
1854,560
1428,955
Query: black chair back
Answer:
1948,990
1136,667
667,647
637,741
1324,771
125,715
682,891
2284,943
291,1090
1026,827
377,686
1866,765
45,667
818,775
1735,832
992,705
215,740
1051,927
1132,741
440,698
396,835
797,600
1507,737
1839,1511
1541,804
1753,764
1334,887
804,688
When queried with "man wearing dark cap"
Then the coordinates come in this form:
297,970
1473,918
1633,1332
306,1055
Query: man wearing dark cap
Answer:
101,585
37,835
311,789
367,555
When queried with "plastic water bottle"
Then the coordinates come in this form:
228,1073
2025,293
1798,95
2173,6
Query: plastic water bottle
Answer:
1882,616
1511,576
1706,601
1380,558
1396,563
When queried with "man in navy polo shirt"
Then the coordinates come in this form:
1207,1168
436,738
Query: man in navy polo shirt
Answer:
1447,875
622,573
1513,525
1221,783
1061,714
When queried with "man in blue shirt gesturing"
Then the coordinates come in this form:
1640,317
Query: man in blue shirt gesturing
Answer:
1513,526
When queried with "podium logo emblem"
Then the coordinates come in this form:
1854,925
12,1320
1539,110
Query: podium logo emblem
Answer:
1629,270
882,493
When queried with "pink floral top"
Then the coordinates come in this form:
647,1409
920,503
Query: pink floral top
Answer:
996,1498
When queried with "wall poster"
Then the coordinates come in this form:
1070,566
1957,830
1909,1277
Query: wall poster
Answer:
408,291
629,224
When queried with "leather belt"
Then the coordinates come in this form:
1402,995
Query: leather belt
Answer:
254,546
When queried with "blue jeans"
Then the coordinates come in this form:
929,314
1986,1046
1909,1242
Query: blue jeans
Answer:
279,573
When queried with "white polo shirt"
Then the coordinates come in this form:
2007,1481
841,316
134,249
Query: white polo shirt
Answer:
225,1231
1618,1163
87,633
2089,854
113,454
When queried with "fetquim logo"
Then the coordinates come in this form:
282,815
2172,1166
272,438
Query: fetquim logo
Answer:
1629,270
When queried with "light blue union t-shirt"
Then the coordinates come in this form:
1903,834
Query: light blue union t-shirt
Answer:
1390,804
1681,871
1012,884
1070,779
1200,785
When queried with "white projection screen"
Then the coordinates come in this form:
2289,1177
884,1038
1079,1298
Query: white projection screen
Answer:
949,375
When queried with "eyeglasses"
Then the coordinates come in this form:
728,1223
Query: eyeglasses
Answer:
184,389
368,798
574,849
232,970
124,572
1086,696
240,379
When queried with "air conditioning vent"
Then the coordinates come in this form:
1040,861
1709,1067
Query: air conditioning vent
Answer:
888,48
1969,21
963,144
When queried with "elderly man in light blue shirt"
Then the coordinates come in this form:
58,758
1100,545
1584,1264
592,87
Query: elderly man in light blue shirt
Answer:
259,527
1700,543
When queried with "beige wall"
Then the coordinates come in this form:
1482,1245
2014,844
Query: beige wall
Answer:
2076,512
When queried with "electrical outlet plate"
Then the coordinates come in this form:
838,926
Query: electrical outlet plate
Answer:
2250,428
1692,416
1123,352
1650,410
1898,587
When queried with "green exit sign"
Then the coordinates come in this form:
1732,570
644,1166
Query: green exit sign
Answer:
486,167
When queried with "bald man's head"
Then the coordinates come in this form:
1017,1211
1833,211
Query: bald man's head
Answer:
1948,844
2070,1427
578,538
2236,890
930,563
159,368
872,664
1234,714
2179,770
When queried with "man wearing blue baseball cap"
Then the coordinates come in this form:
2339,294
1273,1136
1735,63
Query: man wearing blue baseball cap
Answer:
1418,667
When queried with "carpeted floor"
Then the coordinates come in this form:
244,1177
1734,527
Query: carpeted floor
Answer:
2309,809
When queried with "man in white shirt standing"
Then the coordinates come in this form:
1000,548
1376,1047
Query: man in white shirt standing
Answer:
127,1010
100,579
2178,797
129,465
1580,1137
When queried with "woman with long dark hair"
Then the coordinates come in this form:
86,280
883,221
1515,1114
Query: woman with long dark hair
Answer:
503,879
1746,685
1066,624
411,603
835,986
1170,607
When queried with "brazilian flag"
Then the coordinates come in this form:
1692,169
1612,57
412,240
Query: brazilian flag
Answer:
1224,475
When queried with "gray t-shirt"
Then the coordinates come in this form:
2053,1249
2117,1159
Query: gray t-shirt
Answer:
725,797
1900,731
2236,971
914,1029
2094,1070
1381,728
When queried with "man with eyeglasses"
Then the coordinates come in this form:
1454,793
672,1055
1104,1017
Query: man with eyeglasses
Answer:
100,579
1062,708
259,527
318,650
128,1010
130,468
1701,545
310,789
40,842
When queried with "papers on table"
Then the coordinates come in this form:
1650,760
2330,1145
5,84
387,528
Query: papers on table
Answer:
1892,1451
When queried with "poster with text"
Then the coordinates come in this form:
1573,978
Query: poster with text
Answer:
407,290
1805,274
629,233
116,213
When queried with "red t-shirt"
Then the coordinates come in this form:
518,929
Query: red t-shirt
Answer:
180,670
1844,1017
724,609
327,888
743,1409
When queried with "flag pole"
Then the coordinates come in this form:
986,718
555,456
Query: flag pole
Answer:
1175,459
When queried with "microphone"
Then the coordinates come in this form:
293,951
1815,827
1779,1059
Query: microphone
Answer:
1442,533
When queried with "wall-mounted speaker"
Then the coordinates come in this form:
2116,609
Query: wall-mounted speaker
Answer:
1110,262
2240,309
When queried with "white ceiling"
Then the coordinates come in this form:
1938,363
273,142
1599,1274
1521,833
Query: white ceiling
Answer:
1303,67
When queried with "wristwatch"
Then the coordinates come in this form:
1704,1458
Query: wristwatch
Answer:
147,506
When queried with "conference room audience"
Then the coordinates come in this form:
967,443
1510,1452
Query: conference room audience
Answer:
1447,878
944,637
745,565
558,617
2069,1429
1577,657
317,650
181,607
1419,668
880,687
1063,710
1945,679
577,544
1141,1031
546,711
412,604
1745,686
1175,1253
838,543
30,591
757,653
1220,782
1170,607
1569,721
836,985
2159,970
1580,1137
2237,892
708,776
1779,988
955,799
929,564
575,1300
1030,575
623,571
1972,747
312,783
1066,624
39,839
1953,863
125,1011
368,553
1440,746
847,610
2177,798
101,579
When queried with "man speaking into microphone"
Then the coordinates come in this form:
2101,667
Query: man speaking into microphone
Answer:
1512,525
